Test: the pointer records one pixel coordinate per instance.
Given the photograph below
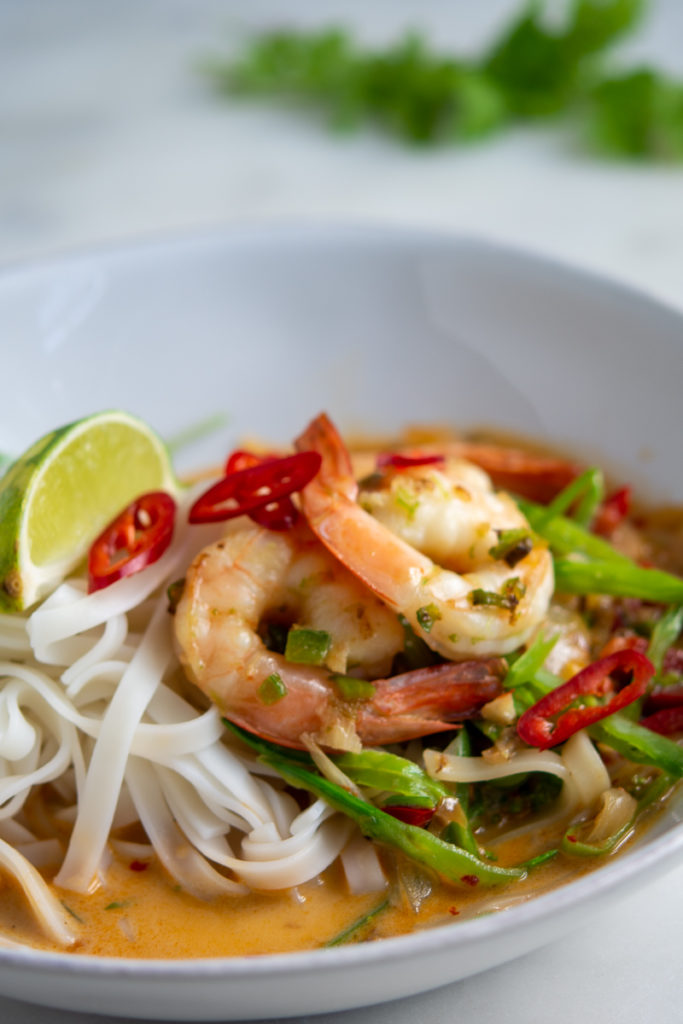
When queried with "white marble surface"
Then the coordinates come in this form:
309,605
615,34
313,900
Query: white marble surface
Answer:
107,132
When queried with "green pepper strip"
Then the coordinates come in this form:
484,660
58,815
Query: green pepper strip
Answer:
452,863
573,846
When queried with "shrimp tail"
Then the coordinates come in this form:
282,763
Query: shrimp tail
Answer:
428,700
537,477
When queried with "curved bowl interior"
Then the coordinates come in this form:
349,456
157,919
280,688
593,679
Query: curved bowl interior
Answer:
379,329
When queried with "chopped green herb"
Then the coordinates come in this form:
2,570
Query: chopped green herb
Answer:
307,646
427,616
511,593
272,689
118,905
512,546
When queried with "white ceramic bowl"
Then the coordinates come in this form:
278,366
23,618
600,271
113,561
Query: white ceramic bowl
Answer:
379,329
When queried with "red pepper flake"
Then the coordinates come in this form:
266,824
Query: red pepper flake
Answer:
454,911
391,460
419,816
470,880
535,726
571,838
138,865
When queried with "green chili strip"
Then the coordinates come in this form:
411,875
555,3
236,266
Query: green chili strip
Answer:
351,933
416,843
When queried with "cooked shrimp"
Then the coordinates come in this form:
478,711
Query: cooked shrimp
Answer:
253,576
422,540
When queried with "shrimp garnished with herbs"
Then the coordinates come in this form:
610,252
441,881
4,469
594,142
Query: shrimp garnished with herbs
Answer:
436,543
334,684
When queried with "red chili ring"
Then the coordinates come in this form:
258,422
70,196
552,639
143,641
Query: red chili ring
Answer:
253,488
535,727
136,538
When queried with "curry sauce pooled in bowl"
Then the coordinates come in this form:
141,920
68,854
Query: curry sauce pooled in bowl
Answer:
334,696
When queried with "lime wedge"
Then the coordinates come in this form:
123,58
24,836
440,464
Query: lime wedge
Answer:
61,493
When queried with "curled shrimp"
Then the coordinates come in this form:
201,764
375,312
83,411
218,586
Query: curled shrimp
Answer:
426,541
254,576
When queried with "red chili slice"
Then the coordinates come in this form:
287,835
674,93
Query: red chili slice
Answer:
389,460
135,539
535,726
277,515
255,487
666,721
613,510
419,816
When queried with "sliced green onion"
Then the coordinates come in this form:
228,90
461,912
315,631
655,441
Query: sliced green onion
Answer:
588,490
272,689
351,688
618,579
307,646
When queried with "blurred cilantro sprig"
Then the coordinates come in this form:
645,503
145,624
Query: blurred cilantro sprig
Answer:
532,70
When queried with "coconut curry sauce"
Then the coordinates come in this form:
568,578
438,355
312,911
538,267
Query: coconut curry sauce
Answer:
141,914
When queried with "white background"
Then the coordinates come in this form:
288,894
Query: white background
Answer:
109,132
